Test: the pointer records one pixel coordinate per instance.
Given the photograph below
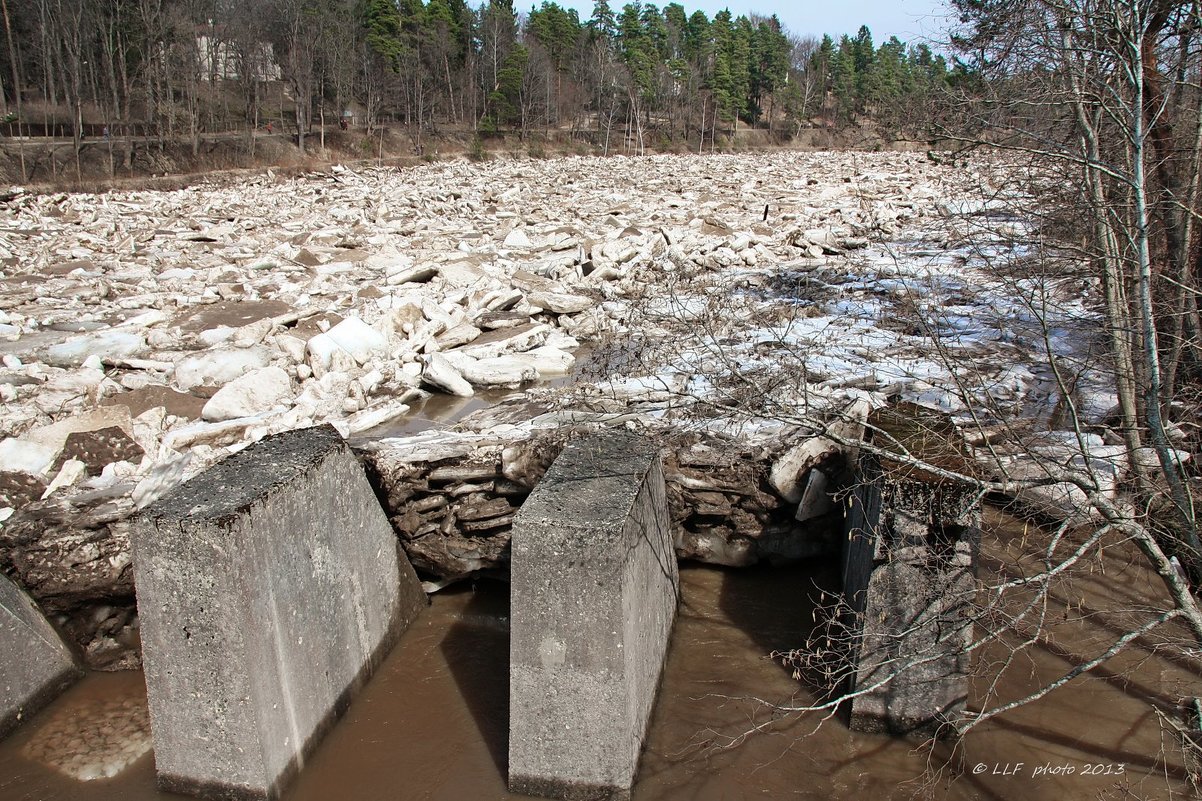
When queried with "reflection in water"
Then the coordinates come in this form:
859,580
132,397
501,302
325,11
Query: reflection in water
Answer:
27,755
437,411
96,739
431,725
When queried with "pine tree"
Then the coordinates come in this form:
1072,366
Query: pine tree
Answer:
602,24
844,81
381,20
769,63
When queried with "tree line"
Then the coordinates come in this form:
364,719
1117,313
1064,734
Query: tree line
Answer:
183,68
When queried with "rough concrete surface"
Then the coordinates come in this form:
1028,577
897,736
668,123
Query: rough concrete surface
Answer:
593,599
269,587
865,529
909,582
35,664
916,635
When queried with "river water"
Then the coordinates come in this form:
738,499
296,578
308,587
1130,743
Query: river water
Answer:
431,724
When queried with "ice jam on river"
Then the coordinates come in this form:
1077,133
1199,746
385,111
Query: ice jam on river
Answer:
432,312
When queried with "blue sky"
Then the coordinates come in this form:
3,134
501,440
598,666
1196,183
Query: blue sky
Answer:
910,20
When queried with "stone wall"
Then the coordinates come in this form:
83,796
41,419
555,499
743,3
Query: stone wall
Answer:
451,499
452,504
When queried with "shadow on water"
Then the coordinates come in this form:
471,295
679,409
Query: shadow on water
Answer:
718,732
777,607
432,724
1131,758
476,648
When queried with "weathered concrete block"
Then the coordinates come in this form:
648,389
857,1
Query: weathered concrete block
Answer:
35,664
268,587
892,512
593,598
864,526
909,576
913,661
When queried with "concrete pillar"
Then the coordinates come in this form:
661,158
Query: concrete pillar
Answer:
909,562
593,597
35,664
914,638
269,587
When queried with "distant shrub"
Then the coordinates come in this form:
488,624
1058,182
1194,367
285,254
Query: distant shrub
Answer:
488,128
475,150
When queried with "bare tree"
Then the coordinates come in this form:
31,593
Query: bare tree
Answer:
807,79
302,23
1085,88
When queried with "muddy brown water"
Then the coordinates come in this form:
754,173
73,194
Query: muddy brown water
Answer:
431,725
440,411
435,412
